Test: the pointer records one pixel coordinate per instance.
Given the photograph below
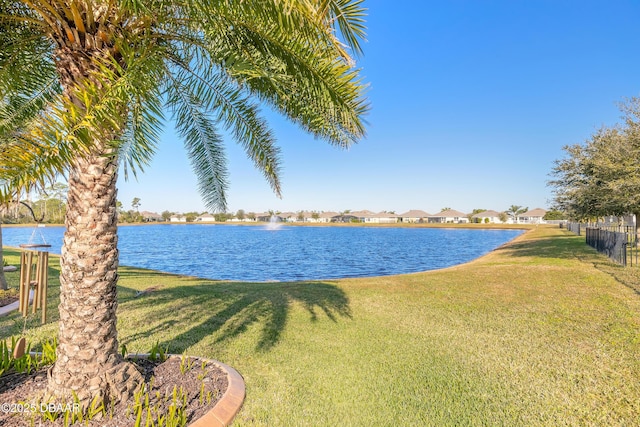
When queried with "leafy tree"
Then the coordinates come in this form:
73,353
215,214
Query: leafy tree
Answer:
191,216
240,214
166,215
503,217
222,216
554,214
315,215
601,176
84,90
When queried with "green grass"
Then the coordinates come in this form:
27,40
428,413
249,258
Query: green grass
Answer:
542,331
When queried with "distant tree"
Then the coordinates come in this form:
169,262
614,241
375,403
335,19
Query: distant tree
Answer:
475,212
315,215
135,203
514,211
503,217
300,216
251,216
240,214
166,215
554,214
445,209
191,216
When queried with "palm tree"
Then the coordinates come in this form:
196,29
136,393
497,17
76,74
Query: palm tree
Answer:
85,88
516,210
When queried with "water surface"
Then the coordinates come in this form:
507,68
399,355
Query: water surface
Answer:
287,253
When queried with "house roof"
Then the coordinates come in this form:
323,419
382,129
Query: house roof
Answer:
384,215
487,214
147,214
414,213
449,213
535,212
361,214
328,214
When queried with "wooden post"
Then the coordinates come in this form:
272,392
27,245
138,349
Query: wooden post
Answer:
23,273
44,281
34,273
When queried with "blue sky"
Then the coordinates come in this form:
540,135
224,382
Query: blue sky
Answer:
471,102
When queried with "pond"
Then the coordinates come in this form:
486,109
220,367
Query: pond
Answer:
285,253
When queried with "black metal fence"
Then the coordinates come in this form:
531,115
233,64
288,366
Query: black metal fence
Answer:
574,227
618,242
611,243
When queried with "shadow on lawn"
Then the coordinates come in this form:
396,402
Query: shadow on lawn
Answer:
225,310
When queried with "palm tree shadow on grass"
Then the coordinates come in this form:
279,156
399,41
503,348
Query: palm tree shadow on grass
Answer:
228,309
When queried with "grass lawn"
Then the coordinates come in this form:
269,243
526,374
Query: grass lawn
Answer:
542,331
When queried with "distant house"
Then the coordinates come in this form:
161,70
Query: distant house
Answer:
151,216
178,218
205,218
414,216
288,216
382,218
449,216
326,216
362,216
489,216
534,216
344,218
266,217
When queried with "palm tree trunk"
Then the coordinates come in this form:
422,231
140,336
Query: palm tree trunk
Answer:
88,362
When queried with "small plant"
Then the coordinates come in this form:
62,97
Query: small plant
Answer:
26,363
123,350
157,354
5,357
153,414
186,363
48,356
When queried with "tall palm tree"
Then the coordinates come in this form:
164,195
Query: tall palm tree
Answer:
86,85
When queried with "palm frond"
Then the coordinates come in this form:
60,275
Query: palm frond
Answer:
298,72
203,143
235,111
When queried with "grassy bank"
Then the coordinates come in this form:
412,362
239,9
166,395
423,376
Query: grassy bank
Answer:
542,331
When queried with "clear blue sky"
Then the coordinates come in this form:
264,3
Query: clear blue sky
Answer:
472,101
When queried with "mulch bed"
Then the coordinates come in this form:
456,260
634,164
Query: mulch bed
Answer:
202,382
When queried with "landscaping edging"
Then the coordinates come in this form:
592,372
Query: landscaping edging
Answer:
223,413
225,410
13,306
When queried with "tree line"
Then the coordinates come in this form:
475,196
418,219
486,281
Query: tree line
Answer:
601,177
